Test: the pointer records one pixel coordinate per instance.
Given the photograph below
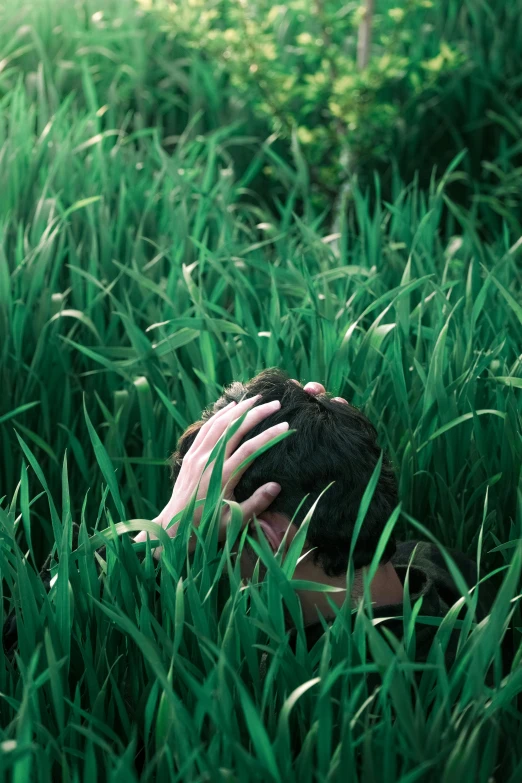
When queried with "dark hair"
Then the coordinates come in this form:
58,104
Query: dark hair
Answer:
333,442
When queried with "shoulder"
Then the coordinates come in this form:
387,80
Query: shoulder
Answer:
430,559
426,554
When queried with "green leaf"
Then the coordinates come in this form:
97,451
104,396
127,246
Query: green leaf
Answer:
106,467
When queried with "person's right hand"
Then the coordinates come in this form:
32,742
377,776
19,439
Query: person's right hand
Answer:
314,388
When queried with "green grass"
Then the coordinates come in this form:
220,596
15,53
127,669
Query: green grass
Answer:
138,274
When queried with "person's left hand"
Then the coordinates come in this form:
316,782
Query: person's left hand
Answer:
315,389
193,466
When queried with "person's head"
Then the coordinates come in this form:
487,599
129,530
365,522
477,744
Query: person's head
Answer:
333,442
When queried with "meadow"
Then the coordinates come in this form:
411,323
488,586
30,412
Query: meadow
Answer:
156,244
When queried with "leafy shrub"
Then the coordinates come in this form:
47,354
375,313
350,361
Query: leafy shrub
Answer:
429,86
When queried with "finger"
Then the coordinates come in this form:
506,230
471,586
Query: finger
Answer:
218,424
253,417
259,501
246,450
294,381
203,430
340,399
314,388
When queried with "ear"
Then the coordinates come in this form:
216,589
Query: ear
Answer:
274,526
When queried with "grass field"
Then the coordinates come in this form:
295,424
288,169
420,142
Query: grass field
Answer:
143,266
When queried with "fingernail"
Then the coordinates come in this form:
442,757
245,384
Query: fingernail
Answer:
275,405
313,388
339,399
282,427
273,489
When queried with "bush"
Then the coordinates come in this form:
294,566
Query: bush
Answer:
432,81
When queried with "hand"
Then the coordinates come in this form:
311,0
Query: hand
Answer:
193,466
315,388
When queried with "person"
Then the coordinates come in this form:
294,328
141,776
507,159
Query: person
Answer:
328,459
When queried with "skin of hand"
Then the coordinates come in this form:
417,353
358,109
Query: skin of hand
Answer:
193,467
314,388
